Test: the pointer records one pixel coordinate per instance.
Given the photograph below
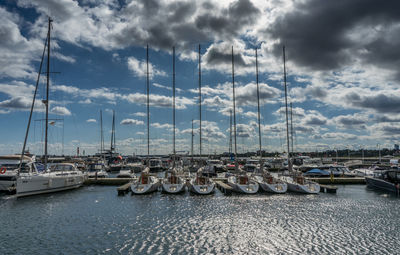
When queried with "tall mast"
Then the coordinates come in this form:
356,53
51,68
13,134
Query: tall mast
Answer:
200,99
148,105
230,132
46,102
113,134
33,103
173,99
234,107
258,108
291,127
192,141
286,106
101,133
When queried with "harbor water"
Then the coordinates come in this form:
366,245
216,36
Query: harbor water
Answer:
94,220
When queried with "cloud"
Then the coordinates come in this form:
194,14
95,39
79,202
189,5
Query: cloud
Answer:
60,110
140,114
131,122
139,68
351,121
91,121
163,126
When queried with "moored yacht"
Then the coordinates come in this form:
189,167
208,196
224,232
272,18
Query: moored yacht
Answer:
297,183
269,183
201,185
96,170
60,176
145,184
243,183
9,165
172,183
388,180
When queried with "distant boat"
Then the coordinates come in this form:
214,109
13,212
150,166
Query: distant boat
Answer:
96,170
388,180
58,177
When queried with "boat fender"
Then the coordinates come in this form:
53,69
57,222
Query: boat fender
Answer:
3,170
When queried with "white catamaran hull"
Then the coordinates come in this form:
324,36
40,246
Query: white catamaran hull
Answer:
46,183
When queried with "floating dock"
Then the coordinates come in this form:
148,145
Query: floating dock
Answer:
107,181
339,180
224,188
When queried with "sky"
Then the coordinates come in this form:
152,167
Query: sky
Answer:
342,57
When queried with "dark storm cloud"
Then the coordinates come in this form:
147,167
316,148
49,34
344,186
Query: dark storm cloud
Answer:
164,24
215,56
229,22
317,32
380,102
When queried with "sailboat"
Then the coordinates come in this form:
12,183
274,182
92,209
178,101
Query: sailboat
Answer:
200,184
58,177
266,181
146,183
295,181
172,183
240,182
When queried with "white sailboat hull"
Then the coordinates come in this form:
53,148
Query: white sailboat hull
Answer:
201,189
308,187
139,188
173,188
250,188
278,188
47,183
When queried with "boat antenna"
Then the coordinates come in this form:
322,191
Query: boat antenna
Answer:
173,100
230,132
286,107
192,141
234,108
258,108
148,104
46,102
113,134
33,101
200,100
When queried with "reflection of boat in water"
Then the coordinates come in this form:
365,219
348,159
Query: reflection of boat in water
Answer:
388,180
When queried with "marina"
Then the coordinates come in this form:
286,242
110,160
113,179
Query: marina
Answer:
199,127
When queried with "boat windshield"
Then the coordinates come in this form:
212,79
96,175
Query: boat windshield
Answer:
59,168
154,162
95,167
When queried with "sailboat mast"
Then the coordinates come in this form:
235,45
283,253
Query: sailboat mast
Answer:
32,105
200,99
286,106
192,140
234,107
47,95
258,108
112,134
173,100
148,105
291,127
230,132
101,133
